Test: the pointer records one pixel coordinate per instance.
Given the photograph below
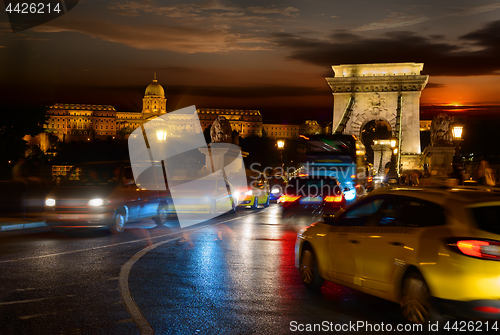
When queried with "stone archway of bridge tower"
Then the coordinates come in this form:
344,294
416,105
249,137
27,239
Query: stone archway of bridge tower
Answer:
366,121
360,119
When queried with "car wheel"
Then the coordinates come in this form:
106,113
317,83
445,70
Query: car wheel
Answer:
266,204
416,299
118,224
255,204
309,273
163,212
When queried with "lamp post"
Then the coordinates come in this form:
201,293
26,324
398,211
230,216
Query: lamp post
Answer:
281,145
457,130
457,173
392,176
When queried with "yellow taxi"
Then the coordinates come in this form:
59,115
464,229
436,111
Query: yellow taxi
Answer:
257,193
432,250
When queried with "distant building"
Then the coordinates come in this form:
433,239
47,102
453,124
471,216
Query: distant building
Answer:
282,131
425,125
81,122
85,122
245,122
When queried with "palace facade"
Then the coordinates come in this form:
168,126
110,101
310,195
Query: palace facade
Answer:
86,122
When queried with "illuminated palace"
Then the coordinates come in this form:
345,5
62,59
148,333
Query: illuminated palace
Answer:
86,122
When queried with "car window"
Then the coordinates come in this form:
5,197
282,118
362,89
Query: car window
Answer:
421,213
488,218
365,210
360,214
151,179
410,212
94,175
256,182
221,186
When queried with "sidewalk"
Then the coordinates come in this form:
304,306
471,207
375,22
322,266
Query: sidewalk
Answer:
9,223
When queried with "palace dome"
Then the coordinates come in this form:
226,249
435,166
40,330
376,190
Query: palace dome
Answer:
154,88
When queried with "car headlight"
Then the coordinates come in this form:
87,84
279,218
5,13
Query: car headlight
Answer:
50,202
249,192
96,202
275,190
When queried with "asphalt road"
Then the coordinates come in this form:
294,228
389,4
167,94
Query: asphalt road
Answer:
232,275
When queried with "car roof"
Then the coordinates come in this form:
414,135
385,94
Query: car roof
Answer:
441,194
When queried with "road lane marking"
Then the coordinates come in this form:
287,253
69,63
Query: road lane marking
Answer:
34,300
116,244
134,311
27,317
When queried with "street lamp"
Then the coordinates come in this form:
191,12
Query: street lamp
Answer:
457,130
392,176
161,135
281,145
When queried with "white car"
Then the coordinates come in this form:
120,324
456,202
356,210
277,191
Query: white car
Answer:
431,250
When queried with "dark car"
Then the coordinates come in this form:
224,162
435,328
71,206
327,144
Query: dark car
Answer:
313,195
105,194
277,185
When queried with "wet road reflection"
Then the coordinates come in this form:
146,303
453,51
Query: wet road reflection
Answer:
236,276
245,282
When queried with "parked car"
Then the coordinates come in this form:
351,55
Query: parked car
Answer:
432,250
257,193
105,194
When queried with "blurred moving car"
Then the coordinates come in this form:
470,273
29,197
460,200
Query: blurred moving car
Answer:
433,250
205,196
104,194
257,193
277,185
306,194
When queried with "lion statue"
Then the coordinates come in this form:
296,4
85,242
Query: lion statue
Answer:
221,131
441,131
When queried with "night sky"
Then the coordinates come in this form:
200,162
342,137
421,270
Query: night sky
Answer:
256,55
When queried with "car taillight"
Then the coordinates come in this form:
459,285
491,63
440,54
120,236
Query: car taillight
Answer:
370,179
288,198
484,249
334,198
487,309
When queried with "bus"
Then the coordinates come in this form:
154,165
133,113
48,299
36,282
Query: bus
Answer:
338,156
